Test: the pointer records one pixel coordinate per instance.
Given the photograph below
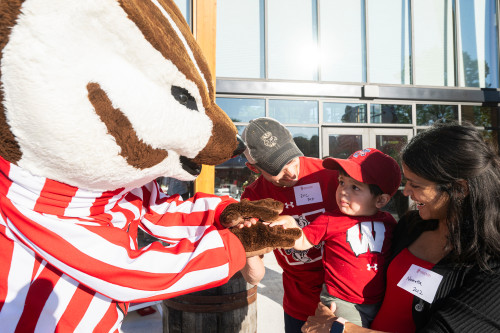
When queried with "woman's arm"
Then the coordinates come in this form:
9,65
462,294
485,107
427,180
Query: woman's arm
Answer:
470,307
353,328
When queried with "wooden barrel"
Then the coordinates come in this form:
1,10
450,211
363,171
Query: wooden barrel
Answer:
230,308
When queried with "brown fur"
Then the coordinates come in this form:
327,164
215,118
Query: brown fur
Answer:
162,36
9,148
265,210
135,151
261,236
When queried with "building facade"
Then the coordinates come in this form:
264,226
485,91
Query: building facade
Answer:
349,74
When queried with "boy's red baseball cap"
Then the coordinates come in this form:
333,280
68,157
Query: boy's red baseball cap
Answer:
369,166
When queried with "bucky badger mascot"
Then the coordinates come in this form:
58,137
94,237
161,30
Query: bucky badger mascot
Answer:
98,98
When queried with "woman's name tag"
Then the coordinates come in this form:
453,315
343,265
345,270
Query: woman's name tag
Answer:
421,282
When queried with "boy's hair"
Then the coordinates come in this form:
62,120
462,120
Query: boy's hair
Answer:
374,189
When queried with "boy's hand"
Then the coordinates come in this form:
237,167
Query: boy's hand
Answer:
286,221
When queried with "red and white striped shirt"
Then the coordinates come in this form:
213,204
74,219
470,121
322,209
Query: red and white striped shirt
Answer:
69,257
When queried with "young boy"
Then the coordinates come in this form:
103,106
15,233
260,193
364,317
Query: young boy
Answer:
358,236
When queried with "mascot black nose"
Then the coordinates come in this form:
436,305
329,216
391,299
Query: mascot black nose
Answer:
241,146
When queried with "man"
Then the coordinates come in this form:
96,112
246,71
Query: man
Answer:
303,185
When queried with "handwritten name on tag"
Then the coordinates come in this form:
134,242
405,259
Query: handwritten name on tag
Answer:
421,282
308,194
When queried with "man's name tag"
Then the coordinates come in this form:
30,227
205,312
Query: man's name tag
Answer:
421,282
308,194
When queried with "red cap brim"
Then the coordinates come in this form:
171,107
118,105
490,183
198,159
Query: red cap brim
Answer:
351,168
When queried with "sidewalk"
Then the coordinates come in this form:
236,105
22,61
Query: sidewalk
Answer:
270,298
269,306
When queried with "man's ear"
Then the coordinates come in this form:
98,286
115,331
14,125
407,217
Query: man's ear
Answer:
252,167
382,200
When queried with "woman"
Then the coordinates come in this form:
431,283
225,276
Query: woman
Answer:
447,251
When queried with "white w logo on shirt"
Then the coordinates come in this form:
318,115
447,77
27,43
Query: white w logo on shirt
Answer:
367,240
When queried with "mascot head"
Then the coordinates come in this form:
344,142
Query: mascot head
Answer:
106,94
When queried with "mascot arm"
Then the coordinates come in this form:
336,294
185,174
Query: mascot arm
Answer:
259,238
109,262
171,219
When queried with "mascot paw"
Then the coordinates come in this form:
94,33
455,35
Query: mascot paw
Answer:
265,210
261,238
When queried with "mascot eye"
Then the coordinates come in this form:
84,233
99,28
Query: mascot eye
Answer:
183,96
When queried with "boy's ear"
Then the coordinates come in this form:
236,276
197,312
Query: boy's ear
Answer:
252,167
382,200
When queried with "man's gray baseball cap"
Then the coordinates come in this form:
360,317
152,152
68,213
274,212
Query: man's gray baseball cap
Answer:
270,145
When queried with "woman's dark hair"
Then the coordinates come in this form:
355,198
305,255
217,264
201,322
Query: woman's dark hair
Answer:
375,190
447,154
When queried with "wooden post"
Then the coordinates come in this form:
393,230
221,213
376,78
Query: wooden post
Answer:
204,30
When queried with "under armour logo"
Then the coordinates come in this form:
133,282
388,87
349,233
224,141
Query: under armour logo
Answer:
289,205
361,152
369,268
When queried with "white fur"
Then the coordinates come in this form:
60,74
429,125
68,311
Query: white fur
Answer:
190,53
54,51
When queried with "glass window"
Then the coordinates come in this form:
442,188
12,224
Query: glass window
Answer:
185,8
478,41
292,45
390,114
344,113
307,139
343,145
232,176
389,41
433,35
485,116
392,146
242,109
240,39
294,112
492,137
342,40
428,114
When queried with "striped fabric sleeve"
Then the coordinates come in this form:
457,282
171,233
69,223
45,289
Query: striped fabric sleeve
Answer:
172,219
105,258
